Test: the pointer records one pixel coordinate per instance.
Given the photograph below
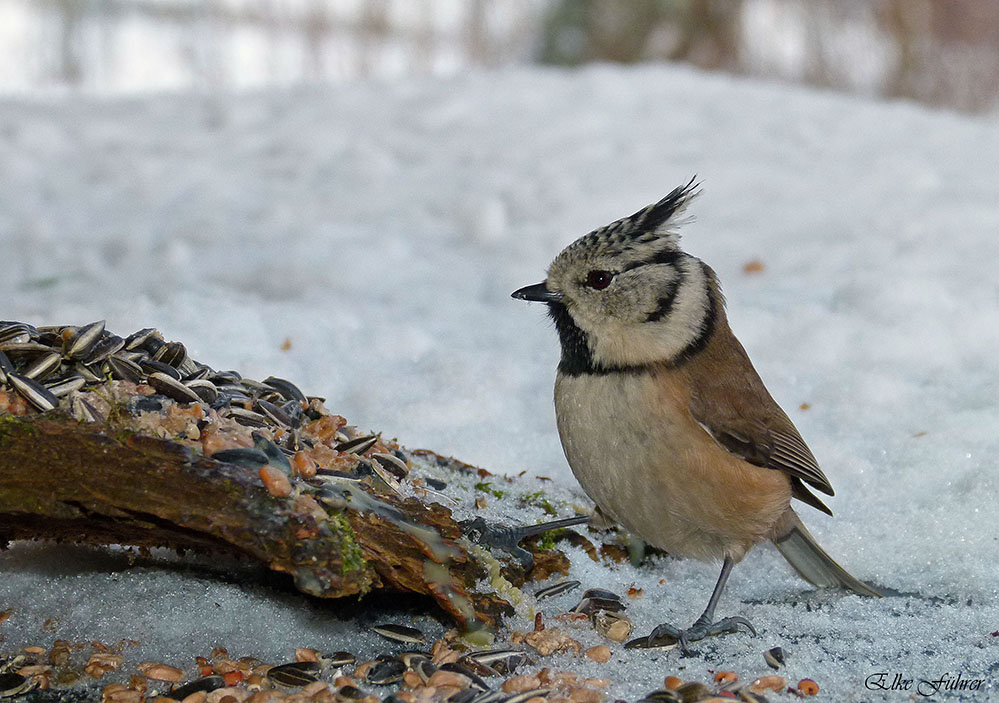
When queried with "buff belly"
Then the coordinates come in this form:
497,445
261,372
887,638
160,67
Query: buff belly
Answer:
639,454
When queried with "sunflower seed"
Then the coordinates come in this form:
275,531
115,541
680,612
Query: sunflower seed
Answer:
490,697
152,345
350,693
295,674
273,412
104,348
137,339
556,590
247,418
590,606
358,445
275,457
14,685
205,389
88,374
424,669
504,661
172,353
16,332
225,377
152,366
340,659
393,464
464,696
775,657
85,339
207,684
200,372
34,392
385,671
293,409
6,367
255,387
476,680
663,696
601,593
125,369
24,349
693,691
84,411
172,388
527,695
286,388
43,366
400,633
67,385
244,456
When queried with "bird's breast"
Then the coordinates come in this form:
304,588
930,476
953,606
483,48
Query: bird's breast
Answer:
637,451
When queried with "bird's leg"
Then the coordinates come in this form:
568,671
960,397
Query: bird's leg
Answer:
705,626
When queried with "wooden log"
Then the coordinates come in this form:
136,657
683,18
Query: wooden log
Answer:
87,483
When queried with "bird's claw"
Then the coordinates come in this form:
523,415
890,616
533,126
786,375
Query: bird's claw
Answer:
698,631
508,538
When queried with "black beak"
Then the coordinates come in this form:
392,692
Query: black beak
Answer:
538,292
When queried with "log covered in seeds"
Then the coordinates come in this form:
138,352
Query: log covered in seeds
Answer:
129,441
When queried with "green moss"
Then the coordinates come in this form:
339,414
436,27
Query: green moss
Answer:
488,488
539,499
11,425
352,558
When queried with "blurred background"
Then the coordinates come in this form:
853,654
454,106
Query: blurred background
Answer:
939,52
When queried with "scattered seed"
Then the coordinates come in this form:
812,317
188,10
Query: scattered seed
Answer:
768,683
276,483
726,677
161,672
808,687
601,593
504,661
385,671
295,674
14,685
400,633
340,659
775,657
527,695
557,589
600,654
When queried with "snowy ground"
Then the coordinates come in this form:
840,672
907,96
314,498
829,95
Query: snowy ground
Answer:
381,227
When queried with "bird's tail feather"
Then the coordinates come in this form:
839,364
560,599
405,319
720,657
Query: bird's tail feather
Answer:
811,561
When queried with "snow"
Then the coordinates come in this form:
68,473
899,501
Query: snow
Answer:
380,228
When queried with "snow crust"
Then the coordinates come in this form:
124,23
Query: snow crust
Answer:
380,228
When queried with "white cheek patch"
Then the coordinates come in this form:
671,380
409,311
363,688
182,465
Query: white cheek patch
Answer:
629,343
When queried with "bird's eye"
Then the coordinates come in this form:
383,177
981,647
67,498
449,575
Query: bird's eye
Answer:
599,279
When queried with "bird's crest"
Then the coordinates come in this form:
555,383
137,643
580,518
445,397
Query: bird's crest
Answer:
654,225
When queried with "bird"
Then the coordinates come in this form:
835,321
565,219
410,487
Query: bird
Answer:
663,419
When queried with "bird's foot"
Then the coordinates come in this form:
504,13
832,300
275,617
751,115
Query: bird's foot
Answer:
508,538
698,631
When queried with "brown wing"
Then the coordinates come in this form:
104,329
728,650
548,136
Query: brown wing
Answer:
731,403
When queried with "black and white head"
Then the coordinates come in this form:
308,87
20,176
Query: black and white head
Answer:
626,296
